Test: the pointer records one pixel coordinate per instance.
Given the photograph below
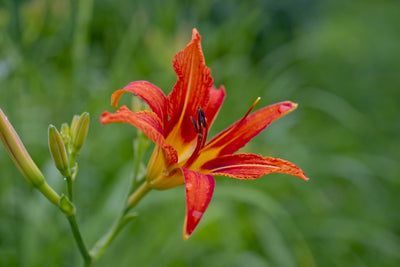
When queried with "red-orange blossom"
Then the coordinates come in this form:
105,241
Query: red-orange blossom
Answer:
179,123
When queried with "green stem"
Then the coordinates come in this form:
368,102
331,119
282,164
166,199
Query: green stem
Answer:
69,187
135,198
49,193
72,171
140,145
78,238
100,247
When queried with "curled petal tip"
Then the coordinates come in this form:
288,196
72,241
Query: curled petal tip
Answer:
301,175
115,97
103,116
287,106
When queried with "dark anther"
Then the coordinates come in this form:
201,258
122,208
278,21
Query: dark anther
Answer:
194,124
201,117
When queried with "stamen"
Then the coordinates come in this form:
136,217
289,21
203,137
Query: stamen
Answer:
252,106
248,112
201,117
194,124
201,130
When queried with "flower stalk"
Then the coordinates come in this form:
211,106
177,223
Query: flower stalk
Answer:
123,219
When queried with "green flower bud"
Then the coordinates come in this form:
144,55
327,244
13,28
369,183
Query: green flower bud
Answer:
65,133
79,130
74,122
16,150
57,151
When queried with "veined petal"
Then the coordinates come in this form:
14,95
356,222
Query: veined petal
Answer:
214,104
146,121
199,190
241,132
251,166
150,93
190,91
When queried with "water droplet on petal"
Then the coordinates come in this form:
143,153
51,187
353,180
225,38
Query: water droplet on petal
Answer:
197,214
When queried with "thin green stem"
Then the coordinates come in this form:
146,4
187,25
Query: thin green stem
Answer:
136,196
72,171
100,247
78,238
140,145
69,187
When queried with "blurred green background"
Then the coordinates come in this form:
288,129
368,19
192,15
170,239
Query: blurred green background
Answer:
339,60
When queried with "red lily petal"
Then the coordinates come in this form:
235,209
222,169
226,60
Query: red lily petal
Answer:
251,166
150,93
146,121
191,89
214,104
199,190
242,131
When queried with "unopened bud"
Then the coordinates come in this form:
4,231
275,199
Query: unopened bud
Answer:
57,151
79,130
74,122
16,150
65,133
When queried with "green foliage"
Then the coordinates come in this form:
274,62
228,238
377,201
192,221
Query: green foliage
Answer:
338,60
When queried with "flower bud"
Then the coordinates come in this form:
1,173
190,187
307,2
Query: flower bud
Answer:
79,130
16,150
74,122
65,133
57,151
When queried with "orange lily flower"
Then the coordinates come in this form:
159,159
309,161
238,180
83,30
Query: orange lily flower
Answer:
179,123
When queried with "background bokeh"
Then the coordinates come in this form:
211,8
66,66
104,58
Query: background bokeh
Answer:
339,60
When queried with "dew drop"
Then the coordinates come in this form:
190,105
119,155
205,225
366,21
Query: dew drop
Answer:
197,214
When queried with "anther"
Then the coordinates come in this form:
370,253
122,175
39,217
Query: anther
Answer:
195,124
201,117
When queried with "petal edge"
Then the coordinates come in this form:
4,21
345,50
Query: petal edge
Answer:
251,166
242,131
199,191
150,93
